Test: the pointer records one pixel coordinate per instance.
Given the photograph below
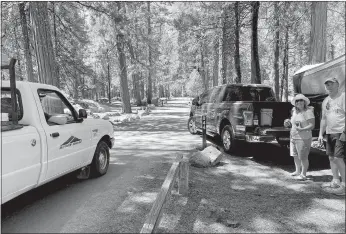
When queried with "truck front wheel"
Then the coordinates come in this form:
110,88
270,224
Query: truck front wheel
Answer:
100,163
227,139
191,125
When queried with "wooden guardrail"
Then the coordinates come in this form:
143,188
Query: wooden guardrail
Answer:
179,170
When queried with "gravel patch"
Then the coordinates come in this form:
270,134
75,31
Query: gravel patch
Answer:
242,196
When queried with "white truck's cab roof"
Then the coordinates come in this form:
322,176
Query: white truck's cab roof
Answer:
6,84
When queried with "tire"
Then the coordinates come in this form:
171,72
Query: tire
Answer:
227,139
191,125
100,163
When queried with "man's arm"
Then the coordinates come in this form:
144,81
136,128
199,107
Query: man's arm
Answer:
322,126
323,123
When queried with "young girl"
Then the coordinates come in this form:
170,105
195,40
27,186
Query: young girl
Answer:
302,121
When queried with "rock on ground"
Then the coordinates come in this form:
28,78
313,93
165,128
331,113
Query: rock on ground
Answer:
210,156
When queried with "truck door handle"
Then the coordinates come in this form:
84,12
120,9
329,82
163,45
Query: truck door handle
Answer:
54,134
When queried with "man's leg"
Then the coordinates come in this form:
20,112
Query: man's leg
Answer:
334,168
330,150
340,165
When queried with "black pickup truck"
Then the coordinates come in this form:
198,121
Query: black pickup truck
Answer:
247,112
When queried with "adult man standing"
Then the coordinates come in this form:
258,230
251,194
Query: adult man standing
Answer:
333,123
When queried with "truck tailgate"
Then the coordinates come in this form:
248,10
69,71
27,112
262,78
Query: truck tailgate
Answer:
281,111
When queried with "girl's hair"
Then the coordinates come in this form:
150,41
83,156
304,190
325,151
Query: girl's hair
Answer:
304,109
295,109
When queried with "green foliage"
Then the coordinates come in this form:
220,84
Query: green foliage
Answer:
194,85
182,33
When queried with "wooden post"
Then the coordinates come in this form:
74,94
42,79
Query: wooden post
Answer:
204,127
154,216
183,183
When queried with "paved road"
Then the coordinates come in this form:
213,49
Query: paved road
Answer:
103,204
120,200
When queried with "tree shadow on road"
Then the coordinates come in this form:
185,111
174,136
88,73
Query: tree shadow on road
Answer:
255,197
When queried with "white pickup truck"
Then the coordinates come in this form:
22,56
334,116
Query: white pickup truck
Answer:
50,140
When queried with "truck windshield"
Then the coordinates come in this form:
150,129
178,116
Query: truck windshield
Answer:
246,93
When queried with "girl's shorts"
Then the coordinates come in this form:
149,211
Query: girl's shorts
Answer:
300,147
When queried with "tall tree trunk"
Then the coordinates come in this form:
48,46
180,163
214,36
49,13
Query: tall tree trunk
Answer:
161,91
332,51
168,92
206,73
136,92
255,65
286,64
109,83
216,63
149,91
318,33
301,50
202,70
284,80
20,72
142,90
43,43
236,53
276,51
26,42
135,78
57,72
154,83
224,46
124,88
125,95
76,84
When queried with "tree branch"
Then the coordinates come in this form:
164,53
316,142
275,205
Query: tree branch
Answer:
95,9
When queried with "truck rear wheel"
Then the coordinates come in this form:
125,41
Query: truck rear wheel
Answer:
227,139
100,163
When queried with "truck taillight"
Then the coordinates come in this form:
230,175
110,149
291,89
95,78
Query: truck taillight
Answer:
248,118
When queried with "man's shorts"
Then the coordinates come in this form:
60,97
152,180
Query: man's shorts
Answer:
335,147
300,148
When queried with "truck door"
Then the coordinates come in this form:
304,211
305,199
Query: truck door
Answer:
20,151
211,112
69,144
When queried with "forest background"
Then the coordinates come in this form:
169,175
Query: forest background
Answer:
143,50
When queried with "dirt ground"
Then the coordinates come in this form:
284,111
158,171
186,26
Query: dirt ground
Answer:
243,195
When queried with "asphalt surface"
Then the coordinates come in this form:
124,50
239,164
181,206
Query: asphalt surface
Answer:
108,203
71,205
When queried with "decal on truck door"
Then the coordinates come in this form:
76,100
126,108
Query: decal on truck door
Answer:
71,141
95,131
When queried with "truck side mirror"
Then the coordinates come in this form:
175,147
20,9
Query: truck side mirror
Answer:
82,113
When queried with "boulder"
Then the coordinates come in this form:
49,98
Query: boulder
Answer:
214,154
210,156
198,159
106,117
